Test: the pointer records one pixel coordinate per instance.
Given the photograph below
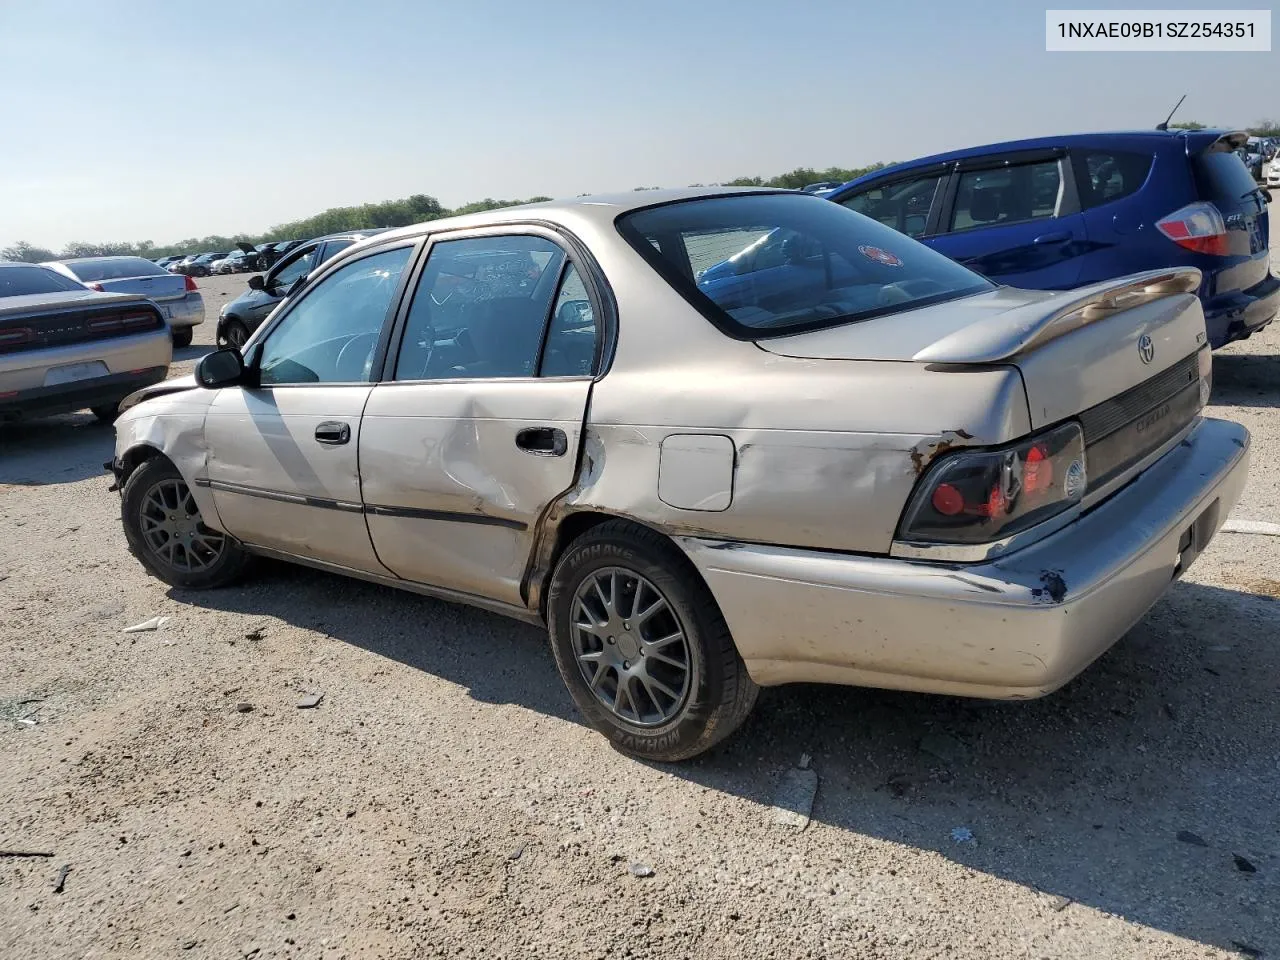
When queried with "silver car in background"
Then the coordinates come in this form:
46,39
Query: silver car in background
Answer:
857,462
65,348
178,297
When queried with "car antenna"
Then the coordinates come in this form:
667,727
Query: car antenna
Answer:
1165,125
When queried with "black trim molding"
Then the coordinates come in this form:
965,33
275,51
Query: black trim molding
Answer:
324,503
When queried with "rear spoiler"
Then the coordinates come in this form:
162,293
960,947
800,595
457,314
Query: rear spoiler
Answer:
1024,328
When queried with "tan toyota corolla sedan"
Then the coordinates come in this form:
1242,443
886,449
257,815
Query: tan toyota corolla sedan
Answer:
714,441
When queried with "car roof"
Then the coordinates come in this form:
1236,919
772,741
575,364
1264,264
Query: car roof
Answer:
601,208
1045,143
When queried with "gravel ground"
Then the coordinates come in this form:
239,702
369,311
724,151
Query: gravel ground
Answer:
444,798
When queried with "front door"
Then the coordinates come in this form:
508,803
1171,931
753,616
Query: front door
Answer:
478,425
283,455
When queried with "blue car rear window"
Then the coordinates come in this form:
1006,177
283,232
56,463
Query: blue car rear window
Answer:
760,265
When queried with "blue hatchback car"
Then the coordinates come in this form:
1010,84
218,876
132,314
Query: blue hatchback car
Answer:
1061,212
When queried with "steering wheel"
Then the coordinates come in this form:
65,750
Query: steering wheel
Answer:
359,349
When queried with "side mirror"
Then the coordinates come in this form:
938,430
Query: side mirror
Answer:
256,282
222,368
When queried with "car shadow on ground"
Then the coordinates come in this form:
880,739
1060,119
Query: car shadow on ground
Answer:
1246,380
1082,795
195,352
52,450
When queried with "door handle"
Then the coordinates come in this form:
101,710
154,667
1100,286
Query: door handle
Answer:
543,441
1052,238
333,432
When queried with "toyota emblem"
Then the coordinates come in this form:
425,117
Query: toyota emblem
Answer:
1146,349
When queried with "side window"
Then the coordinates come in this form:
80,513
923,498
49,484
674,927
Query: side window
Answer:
903,205
987,198
1105,176
333,248
288,274
331,334
480,309
570,350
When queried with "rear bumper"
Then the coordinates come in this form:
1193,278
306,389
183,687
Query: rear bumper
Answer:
187,312
1236,317
65,397
1017,627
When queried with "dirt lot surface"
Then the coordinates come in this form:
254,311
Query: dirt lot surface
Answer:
444,799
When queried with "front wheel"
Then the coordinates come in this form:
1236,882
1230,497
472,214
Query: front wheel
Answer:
165,531
642,646
235,333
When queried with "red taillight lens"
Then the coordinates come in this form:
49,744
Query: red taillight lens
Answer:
1198,227
106,324
190,284
134,321
978,496
15,337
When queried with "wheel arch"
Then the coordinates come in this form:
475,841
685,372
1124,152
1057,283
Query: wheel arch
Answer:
560,532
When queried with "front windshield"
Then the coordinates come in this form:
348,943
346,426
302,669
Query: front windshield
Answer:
761,265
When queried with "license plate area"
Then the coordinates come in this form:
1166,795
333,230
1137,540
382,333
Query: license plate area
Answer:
1196,537
71,372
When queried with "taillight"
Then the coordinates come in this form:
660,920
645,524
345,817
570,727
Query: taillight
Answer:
134,321
190,284
106,324
15,337
979,496
1198,227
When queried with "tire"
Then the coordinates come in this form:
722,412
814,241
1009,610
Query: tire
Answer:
182,336
107,412
235,333
157,481
715,692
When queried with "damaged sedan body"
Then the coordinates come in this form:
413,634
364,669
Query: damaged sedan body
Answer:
713,440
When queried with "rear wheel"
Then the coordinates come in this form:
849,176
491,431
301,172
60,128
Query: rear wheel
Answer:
642,646
182,336
165,531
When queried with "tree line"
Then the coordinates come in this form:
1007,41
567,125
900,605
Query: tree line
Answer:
367,216
420,207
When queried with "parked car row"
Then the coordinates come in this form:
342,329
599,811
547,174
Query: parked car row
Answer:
244,259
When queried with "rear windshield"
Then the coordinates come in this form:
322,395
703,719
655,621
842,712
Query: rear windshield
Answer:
21,281
117,269
1223,178
767,264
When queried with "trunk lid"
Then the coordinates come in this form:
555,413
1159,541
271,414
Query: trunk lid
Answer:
1123,357
157,288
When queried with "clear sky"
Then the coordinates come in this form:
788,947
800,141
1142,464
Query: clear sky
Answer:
139,120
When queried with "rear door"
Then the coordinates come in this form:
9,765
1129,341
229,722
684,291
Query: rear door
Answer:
1015,219
283,455
477,426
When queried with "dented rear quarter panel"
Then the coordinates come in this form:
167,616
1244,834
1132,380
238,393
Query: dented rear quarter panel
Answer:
826,452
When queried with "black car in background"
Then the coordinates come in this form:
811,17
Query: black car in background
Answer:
243,315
